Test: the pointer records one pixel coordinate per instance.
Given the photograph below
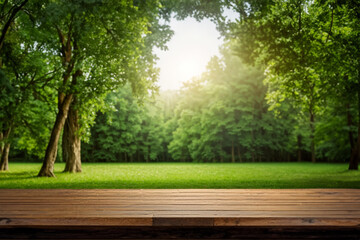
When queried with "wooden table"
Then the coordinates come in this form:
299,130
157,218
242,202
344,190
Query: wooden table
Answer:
182,213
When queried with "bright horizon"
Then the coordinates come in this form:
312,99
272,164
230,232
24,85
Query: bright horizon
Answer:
189,50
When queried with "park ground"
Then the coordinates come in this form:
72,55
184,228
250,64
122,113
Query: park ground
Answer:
185,175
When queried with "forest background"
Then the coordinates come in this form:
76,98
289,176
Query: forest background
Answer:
285,88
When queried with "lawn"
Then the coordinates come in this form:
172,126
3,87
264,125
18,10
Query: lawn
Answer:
185,175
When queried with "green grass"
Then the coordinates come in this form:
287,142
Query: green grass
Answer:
185,175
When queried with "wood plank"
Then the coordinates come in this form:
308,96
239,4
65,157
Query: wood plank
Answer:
171,202
175,191
231,207
291,221
180,221
179,212
207,197
111,192
180,207
72,221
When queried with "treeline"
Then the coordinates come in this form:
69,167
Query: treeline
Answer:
68,65
59,59
310,52
308,108
129,132
222,116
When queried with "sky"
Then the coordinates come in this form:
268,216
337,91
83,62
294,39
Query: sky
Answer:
189,50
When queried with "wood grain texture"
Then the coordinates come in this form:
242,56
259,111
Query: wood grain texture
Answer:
180,207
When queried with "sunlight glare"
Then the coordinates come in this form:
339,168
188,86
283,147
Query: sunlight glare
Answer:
187,69
190,49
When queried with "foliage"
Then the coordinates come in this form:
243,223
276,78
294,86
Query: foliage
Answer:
128,133
224,114
310,53
285,86
27,74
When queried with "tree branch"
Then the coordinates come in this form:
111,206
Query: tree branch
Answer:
9,21
331,24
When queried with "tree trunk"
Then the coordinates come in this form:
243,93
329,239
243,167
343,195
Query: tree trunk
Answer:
232,152
355,153
4,164
239,155
148,155
312,136
47,169
349,124
71,142
1,144
354,158
221,153
299,145
64,102
5,149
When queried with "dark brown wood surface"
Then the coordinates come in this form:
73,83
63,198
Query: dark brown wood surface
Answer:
180,207
180,213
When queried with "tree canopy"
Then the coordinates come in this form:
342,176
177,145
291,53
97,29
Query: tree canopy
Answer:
285,87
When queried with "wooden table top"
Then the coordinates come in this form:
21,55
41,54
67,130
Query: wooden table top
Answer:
180,207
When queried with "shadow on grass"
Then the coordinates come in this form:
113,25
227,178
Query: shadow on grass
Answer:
17,175
18,178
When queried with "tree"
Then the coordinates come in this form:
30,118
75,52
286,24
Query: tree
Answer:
141,75
285,44
309,49
113,137
120,27
130,132
24,76
223,116
340,22
188,117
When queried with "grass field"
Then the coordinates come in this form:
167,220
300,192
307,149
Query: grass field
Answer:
185,175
